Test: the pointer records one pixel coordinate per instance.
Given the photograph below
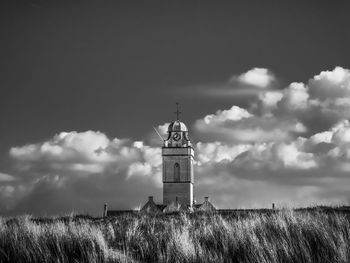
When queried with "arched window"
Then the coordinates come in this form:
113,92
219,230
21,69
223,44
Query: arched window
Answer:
177,172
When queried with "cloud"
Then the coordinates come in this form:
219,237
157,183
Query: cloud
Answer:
295,97
86,152
330,84
299,109
83,154
153,139
87,167
289,146
238,125
268,100
233,114
6,177
320,162
216,152
258,77
320,103
296,139
249,84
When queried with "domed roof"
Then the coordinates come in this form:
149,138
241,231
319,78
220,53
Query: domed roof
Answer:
177,126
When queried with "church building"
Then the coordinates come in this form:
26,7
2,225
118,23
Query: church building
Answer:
178,174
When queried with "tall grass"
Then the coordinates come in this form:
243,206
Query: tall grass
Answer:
281,236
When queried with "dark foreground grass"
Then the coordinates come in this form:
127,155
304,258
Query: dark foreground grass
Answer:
280,236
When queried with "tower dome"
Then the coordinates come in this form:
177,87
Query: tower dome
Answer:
177,126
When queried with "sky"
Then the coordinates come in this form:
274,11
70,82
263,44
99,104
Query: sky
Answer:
264,89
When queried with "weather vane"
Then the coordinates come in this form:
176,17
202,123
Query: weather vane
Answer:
177,112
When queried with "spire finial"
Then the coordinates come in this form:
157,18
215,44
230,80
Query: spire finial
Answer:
177,112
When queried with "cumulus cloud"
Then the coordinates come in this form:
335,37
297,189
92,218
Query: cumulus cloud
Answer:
295,97
98,163
289,146
83,153
216,152
233,114
258,77
238,125
316,167
249,84
297,138
320,103
268,101
71,151
333,84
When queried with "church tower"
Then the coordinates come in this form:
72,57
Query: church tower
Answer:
178,154
178,180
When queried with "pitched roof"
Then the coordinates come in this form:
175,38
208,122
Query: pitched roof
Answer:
151,207
206,206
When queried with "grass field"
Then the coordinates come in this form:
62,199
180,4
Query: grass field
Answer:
314,235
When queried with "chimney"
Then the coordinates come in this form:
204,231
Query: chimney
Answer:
150,199
206,199
273,206
105,210
176,199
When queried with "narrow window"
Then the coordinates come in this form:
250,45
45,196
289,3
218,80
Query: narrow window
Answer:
177,172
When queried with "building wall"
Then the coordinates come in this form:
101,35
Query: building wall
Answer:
186,168
181,187
182,191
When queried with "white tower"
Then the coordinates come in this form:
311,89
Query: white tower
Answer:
178,155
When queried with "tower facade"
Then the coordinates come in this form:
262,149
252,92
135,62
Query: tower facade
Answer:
178,154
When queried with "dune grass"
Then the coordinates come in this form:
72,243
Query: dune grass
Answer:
255,236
